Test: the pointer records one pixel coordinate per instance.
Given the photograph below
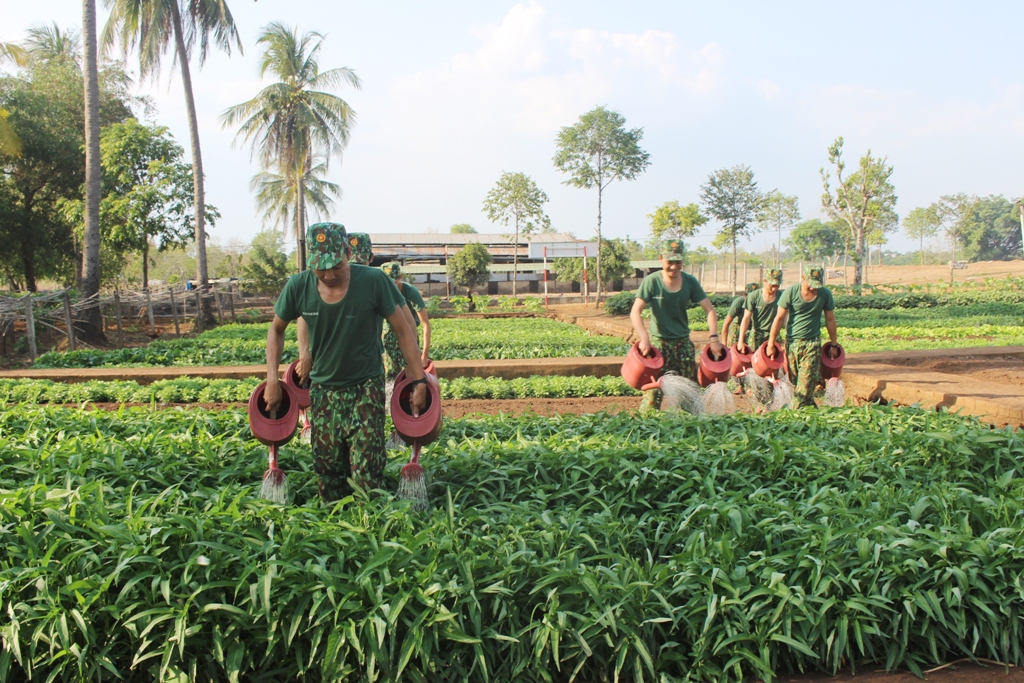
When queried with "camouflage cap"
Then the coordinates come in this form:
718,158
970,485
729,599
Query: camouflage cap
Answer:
362,249
751,286
673,250
325,243
774,277
814,275
393,270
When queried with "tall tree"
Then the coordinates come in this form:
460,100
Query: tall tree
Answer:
672,221
49,42
469,267
812,240
862,199
93,329
920,223
290,122
780,212
147,193
462,229
993,232
153,26
731,195
597,151
516,198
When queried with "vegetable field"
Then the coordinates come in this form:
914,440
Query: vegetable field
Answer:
587,548
202,390
453,339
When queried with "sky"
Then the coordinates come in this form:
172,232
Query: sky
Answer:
455,93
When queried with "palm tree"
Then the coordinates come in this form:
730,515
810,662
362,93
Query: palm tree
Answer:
294,120
152,25
277,194
91,236
48,43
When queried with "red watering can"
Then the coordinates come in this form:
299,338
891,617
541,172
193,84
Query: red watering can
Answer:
740,361
638,369
273,430
710,370
420,430
429,370
294,382
765,365
831,367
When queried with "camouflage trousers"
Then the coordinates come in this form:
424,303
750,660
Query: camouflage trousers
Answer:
734,335
348,436
681,358
394,361
804,358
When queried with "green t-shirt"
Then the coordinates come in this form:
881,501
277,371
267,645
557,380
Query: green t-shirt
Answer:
805,316
414,299
668,309
762,313
344,338
736,308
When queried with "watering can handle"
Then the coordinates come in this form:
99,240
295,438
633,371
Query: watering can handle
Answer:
652,385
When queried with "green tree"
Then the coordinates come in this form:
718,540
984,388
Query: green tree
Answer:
278,195
672,221
10,143
861,200
153,26
731,195
813,240
920,223
266,268
780,212
470,268
45,104
597,151
516,198
147,195
295,120
462,229
51,43
614,255
993,231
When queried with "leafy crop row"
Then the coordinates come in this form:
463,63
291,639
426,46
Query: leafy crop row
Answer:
203,390
455,339
640,547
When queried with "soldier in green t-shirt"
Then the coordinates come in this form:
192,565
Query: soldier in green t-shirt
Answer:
412,296
759,311
341,303
803,305
669,293
735,314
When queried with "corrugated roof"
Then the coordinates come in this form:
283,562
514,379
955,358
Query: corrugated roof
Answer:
404,239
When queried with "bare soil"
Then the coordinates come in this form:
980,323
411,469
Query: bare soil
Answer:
1007,370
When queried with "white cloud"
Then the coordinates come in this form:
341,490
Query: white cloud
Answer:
768,89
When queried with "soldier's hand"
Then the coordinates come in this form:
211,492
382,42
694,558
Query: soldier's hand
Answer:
770,348
419,399
645,346
303,368
272,396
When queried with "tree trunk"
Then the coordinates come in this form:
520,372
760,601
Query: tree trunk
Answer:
733,278
922,248
515,259
92,330
145,265
472,304
198,187
79,265
597,268
300,214
29,267
858,256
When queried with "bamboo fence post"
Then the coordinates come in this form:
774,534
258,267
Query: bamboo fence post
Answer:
231,302
198,325
30,327
174,310
69,322
220,309
117,313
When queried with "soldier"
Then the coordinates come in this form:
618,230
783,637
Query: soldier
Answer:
341,303
759,310
732,334
415,302
803,305
669,293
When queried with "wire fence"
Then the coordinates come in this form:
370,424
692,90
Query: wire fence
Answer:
60,314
